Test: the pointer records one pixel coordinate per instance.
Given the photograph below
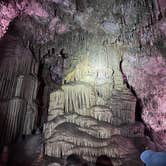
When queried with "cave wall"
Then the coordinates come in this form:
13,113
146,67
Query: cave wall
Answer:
147,77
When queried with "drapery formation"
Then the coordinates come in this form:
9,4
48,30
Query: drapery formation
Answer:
89,121
19,86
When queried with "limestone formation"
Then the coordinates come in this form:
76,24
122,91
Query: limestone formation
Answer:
19,87
30,118
78,96
123,104
27,87
12,119
90,122
92,113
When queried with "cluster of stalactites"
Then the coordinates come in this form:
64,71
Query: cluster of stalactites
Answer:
73,97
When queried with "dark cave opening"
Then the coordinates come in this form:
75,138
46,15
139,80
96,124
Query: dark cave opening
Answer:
40,94
139,107
138,111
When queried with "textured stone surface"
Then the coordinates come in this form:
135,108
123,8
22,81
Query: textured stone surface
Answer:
149,86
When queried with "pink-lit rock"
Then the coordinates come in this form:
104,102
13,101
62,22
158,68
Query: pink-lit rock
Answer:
9,11
57,25
147,75
62,28
162,26
34,8
162,4
53,23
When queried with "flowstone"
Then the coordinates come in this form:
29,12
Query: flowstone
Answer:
84,122
93,112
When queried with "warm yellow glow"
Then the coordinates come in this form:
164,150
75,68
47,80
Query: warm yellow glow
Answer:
85,71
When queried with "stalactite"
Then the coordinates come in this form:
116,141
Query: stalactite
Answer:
78,96
112,150
127,103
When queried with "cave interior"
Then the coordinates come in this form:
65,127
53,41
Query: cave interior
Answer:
85,77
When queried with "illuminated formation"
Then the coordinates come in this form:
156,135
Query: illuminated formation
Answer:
86,115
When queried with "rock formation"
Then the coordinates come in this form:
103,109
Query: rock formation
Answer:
19,86
89,118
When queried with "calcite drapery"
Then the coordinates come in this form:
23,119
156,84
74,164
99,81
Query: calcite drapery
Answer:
93,112
18,93
12,119
76,124
20,112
